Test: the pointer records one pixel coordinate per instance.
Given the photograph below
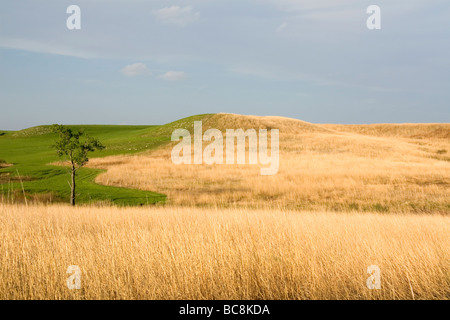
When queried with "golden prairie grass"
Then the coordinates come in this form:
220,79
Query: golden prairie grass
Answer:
309,232
385,168
194,253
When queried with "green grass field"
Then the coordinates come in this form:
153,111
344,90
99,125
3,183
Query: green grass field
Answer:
25,157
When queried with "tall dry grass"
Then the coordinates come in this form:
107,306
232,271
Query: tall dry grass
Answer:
384,168
185,253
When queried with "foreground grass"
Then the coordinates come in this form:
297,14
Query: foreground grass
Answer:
192,253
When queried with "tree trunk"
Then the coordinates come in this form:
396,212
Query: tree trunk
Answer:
72,193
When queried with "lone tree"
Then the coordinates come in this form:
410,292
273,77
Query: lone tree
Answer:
75,145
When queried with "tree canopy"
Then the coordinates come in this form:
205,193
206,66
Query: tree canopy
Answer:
71,144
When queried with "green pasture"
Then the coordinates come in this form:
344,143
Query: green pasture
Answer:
25,158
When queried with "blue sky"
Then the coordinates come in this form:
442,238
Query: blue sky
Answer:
152,62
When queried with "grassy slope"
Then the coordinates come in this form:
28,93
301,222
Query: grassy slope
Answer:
30,153
385,168
399,158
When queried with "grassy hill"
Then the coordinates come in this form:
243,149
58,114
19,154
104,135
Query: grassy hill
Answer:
26,155
383,167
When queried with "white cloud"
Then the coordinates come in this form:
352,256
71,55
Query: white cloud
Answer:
174,75
135,69
177,15
281,27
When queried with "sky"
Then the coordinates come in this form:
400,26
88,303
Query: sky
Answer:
153,62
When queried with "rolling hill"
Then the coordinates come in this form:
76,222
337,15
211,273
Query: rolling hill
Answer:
381,167
384,168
